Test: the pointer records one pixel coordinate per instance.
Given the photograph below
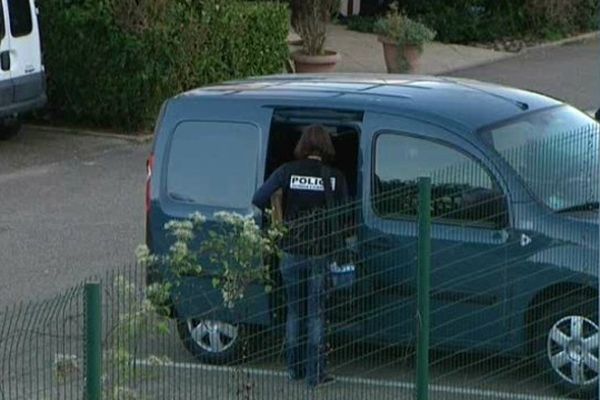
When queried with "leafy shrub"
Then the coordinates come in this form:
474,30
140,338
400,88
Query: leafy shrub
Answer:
111,63
561,17
403,30
252,38
464,21
310,21
362,24
236,251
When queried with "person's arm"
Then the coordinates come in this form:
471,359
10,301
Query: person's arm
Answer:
262,197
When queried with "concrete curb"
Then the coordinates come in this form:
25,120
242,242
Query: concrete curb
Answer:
558,43
569,40
508,56
141,138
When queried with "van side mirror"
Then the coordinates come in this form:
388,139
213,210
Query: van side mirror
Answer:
597,115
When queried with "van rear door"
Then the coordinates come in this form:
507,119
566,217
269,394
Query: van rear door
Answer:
25,50
6,85
208,158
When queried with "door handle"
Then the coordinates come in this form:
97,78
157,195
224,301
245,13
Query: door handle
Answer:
5,60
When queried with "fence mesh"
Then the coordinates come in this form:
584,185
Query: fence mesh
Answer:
513,300
41,347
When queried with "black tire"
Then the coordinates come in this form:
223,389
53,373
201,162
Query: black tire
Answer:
203,345
9,128
556,335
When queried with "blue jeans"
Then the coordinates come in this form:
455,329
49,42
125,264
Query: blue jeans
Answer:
304,281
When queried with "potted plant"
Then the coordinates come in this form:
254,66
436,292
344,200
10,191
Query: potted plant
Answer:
402,40
310,22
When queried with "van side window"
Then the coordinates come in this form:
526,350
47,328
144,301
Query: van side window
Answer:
462,190
213,164
19,12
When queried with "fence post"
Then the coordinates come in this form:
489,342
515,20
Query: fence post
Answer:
423,283
93,341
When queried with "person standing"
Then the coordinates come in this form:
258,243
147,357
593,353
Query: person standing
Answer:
309,185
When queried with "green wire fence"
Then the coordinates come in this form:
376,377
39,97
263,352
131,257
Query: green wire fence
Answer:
447,287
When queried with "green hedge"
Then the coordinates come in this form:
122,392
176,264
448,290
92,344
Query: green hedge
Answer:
111,63
465,21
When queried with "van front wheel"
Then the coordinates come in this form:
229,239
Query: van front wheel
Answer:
212,342
9,128
567,346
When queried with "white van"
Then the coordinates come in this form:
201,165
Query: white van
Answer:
22,77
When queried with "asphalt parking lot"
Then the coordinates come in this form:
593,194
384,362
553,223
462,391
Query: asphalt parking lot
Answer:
72,207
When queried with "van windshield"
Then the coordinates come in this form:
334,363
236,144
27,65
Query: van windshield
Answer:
556,153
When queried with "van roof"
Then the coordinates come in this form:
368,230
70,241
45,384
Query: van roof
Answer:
467,102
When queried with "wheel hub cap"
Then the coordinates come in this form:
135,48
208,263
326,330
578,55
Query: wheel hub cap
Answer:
573,350
212,336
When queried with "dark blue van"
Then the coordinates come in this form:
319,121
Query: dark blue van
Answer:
517,278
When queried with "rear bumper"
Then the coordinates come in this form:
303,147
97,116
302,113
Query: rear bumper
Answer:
23,107
29,94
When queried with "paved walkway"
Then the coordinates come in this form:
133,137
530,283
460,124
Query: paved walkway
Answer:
361,52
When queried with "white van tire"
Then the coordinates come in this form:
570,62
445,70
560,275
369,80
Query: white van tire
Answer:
9,128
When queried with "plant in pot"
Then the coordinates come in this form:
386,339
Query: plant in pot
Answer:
402,40
310,22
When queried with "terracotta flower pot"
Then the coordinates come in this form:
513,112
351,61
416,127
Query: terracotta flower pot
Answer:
392,53
315,64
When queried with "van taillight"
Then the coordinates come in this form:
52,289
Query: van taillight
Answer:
149,167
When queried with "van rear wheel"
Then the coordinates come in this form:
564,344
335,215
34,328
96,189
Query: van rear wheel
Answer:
9,128
211,342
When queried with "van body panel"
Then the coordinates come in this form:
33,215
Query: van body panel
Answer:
393,244
197,120
446,112
23,107
197,296
22,78
6,83
6,93
470,103
28,87
25,47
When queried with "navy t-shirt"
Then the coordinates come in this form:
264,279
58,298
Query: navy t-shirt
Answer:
302,185
313,228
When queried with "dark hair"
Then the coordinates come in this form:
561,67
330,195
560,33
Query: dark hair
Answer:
315,141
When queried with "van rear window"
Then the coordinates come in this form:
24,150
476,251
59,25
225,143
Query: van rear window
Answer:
213,164
2,29
19,12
